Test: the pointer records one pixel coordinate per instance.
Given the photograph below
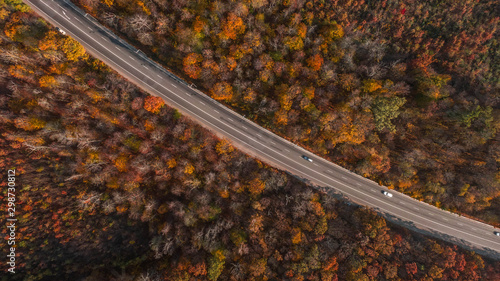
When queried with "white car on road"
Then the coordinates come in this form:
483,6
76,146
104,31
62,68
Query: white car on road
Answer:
307,158
61,31
386,193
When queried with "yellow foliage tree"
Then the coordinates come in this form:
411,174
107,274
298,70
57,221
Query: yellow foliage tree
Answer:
47,81
286,101
73,50
4,13
172,163
224,147
371,85
189,169
36,123
20,72
143,6
29,124
49,42
216,265
258,3
121,163
296,235
294,43
302,30
350,133
333,32
250,96
108,3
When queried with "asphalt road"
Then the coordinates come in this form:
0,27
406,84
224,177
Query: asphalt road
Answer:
259,142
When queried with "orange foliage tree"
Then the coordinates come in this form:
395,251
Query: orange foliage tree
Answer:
256,186
49,42
222,91
281,117
153,104
121,163
231,27
191,65
199,269
315,62
199,24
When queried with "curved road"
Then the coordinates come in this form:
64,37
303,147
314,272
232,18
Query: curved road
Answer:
257,141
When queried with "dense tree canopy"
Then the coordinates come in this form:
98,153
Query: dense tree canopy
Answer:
403,92
114,185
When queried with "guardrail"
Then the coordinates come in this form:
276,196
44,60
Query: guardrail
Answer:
125,43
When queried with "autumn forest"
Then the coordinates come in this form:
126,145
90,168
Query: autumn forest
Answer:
116,185
402,92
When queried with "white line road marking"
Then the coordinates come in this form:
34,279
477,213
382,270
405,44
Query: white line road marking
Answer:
459,223
131,57
216,111
65,14
287,150
277,160
173,85
202,102
315,164
229,119
244,127
358,183
344,177
416,208
117,48
373,190
402,202
79,21
159,75
273,143
445,219
430,213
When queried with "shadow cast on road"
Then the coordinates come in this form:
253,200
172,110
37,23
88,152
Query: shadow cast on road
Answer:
487,252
